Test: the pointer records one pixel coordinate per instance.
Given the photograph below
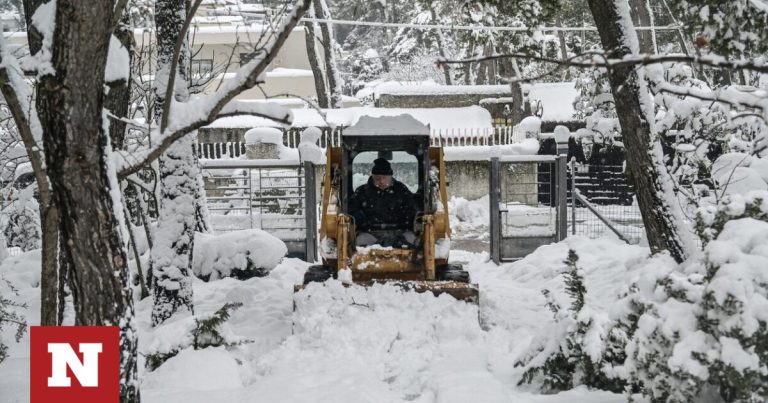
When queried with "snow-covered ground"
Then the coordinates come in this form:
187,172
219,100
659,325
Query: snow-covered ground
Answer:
355,344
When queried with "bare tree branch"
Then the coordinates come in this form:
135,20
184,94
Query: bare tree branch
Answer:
201,111
631,60
169,89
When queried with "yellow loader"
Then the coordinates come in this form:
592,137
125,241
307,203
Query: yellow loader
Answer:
422,265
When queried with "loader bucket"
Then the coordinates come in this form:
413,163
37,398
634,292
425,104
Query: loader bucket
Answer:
469,293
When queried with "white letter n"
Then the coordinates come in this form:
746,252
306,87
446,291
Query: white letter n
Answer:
86,372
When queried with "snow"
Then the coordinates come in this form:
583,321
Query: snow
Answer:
351,344
484,153
44,19
433,88
556,98
196,370
218,256
471,117
118,62
264,135
308,148
401,125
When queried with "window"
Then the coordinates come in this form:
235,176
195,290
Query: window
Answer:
404,167
201,68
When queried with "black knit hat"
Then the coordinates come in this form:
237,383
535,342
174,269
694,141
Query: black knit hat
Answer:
381,167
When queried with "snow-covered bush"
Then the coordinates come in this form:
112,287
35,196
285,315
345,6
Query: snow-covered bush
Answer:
702,327
9,315
198,333
240,254
23,229
573,351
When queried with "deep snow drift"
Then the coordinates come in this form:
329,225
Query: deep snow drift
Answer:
353,344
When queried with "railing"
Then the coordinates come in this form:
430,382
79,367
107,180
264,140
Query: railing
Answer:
277,196
499,135
601,202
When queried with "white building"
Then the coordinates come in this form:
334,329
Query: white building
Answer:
220,44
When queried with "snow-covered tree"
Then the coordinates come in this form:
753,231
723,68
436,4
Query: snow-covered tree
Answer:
9,315
66,127
572,353
701,331
178,170
23,229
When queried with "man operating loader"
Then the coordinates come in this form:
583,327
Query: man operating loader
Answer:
383,209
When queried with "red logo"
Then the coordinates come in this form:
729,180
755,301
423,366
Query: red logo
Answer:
74,364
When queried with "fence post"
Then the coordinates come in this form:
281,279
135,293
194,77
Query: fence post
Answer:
562,197
494,188
572,165
310,212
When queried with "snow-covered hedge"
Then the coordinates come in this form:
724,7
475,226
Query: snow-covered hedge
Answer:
690,332
702,326
573,349
240,254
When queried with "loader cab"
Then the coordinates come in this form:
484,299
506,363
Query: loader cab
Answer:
407,154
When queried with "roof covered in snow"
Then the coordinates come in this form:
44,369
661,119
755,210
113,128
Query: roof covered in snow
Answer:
471,117
400,125
556,98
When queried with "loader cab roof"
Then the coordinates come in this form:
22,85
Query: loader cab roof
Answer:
387,133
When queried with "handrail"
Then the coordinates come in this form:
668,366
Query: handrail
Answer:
600,216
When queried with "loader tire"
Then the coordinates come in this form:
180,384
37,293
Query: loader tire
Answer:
317,274
452,272
461,276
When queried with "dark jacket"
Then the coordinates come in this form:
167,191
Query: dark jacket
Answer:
371,206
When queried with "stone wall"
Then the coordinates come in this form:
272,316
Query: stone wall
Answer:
434,100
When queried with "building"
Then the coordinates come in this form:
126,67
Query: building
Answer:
220,45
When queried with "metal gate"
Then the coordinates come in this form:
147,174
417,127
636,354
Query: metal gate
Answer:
277,196
528,204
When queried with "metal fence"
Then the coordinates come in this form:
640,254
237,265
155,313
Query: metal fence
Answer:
499,135
528,204
602,201
530,196
277,196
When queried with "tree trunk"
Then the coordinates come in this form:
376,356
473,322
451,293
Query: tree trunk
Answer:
518,112
641,17
49,223
646,170
119,96
563,48
70,104
50,287
326,30
315,63
174,240
441,45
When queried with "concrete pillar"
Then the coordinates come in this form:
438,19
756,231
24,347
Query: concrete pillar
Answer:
562,136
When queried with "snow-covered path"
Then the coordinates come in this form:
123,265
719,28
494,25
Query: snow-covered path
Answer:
351,344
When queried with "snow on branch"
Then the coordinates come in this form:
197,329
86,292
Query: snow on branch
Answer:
186,117
18,96
599,60
731,96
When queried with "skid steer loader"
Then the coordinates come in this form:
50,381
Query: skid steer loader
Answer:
421,265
